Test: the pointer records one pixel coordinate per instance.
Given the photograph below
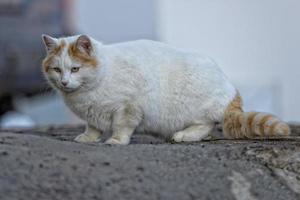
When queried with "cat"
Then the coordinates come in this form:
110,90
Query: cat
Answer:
148,86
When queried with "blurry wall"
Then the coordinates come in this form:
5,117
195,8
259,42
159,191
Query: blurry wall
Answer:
115,20
256,42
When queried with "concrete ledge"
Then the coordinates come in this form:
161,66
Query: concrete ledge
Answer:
44,163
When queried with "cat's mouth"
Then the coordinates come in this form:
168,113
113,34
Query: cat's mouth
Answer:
67,89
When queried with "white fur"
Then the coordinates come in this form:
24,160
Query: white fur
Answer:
167,89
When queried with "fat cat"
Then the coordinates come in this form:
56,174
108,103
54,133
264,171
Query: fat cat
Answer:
148,86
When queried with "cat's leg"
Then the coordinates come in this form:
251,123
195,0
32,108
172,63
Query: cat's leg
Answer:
124,123
90,134
193,133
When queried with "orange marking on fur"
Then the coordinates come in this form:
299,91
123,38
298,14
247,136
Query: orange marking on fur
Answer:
273,127
85,59
232,118
237,124
56,52
235,104
262,123
46,63
250,122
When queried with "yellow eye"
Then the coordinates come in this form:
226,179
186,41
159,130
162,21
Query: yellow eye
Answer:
74,69
57,69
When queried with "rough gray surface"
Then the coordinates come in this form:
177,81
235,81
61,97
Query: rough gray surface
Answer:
46,164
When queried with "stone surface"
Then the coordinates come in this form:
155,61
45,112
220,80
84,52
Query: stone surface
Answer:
45,163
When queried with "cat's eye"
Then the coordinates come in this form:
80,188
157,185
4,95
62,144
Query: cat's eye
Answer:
57,69
74,69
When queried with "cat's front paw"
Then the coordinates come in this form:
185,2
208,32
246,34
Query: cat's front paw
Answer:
178,137
114,141
87,138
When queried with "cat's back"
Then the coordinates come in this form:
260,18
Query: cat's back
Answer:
163,65
158,57
151,48
142,45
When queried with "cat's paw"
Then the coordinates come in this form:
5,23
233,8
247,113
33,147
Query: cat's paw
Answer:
87,138
114,141
178,137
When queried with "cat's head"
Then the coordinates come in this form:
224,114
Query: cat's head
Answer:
71,62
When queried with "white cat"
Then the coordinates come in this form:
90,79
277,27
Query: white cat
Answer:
148,86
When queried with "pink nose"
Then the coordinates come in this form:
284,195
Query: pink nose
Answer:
64,83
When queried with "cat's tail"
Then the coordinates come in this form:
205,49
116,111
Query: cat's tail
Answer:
240,124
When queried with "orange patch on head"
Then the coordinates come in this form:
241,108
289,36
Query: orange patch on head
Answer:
82,57
51,54
56,49
59,48
46,63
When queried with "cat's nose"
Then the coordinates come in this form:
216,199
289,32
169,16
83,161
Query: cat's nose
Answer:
64,83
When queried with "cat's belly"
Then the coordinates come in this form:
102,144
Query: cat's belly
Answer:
167,119
94,115
169,115
170,120
166,125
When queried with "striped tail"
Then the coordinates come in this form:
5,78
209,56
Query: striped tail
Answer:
239,124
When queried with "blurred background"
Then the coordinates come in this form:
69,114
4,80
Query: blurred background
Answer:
256,43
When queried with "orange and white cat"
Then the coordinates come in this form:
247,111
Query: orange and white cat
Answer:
148,86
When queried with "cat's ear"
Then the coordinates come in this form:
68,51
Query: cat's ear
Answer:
84,44
49,42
